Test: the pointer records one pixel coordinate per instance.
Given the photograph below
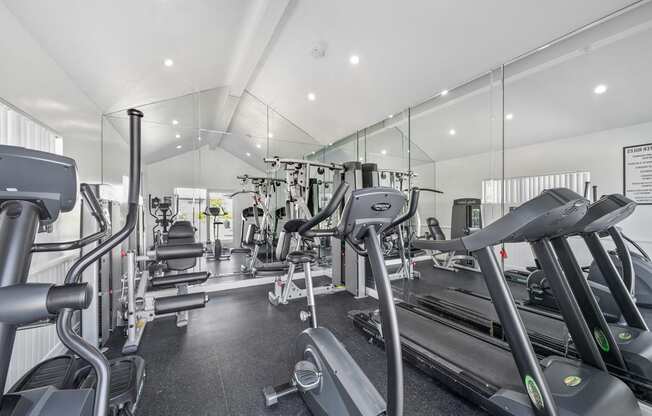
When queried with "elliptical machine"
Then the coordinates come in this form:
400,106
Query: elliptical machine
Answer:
29,203
326,376
163,216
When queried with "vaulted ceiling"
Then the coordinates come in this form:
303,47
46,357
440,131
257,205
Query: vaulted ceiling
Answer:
93,57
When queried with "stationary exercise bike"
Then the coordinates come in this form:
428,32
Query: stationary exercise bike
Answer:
216,213
326,376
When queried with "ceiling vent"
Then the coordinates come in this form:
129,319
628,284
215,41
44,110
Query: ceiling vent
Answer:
319,50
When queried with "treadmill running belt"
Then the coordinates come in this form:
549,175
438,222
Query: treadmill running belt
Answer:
485,361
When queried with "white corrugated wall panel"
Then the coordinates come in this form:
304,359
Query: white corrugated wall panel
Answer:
37,343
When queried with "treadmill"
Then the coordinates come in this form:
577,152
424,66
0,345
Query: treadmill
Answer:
506,377
626,346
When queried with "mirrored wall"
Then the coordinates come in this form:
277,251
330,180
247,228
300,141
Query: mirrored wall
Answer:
577,114
574,113
209,149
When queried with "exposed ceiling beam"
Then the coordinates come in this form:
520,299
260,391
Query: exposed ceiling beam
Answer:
256,33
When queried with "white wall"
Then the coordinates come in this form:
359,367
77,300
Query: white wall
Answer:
462,178
427,201
599,153
33,82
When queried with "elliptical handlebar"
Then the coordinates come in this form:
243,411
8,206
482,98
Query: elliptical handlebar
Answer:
65,330
306,229
414,203
96,211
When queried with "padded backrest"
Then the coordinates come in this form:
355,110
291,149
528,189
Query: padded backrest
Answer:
435,230
181,232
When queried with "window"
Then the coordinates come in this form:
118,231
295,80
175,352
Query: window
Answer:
521,189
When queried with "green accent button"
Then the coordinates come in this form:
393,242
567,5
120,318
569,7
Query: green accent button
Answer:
572,381
534,392
625,336
601,339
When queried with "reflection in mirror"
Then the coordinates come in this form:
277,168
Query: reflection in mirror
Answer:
572,112
185,147
455,147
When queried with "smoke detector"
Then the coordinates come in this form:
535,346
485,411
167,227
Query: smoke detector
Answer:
319,49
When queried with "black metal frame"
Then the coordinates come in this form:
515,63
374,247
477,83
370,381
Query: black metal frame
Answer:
96,211
65,329
19,221
619,291
590,308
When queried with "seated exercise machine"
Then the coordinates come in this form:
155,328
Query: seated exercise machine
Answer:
141,292
505,375
35,188
328,379
466,219
298,177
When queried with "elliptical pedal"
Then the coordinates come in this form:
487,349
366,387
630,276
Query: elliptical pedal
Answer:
306,375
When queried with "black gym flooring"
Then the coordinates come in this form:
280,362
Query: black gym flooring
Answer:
240,343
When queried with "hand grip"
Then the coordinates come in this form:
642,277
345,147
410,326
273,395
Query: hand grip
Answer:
73,296
329,209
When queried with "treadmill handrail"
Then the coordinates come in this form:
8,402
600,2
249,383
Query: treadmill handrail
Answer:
530,221
96,211
625,257
414,203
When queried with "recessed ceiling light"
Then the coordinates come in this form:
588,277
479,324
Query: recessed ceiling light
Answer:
175,122
199,138
600,89
383,151
509,116
258,145
452,132
168,62
313,152
270,135
179,146
354,59
178,136
312,96
390,116
248,154
444,93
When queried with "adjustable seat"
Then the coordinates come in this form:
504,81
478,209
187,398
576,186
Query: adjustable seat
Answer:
301,257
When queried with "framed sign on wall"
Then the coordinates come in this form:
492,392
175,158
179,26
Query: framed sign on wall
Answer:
637,173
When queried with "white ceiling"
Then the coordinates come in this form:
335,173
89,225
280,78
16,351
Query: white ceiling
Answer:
549,100
408,52
114,50
110,56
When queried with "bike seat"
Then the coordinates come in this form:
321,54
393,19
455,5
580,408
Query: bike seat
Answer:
301,257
